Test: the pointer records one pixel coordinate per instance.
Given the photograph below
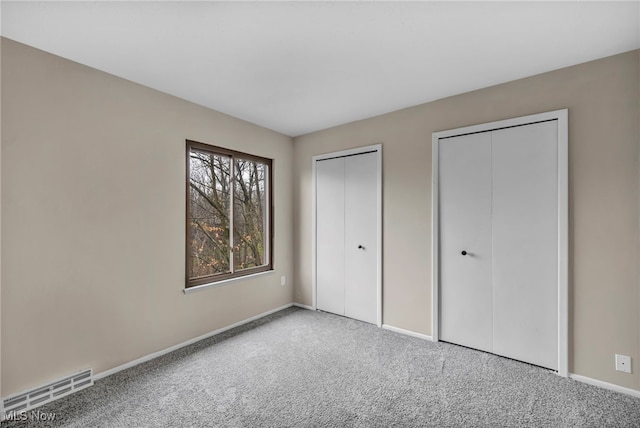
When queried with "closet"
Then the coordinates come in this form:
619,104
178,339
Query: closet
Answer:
501,221
347,234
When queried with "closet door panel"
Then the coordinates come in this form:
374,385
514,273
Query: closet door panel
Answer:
330,256
465,225
361,215
525,243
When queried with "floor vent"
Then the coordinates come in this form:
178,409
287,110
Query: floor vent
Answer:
37,397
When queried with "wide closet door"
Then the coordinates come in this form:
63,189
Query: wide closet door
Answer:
499,242
346,236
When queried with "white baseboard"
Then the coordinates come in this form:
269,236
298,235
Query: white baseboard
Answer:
300,305
606,385
407,332
183,344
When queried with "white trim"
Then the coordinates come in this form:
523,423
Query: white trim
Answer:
606,385
435,240
516,121
224,282
314,230
562,117
186,343
348,152
379,236
407,332
563,242
300,305
377,148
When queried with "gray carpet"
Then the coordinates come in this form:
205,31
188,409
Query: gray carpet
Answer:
299,368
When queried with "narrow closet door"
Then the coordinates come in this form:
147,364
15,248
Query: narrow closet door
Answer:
525,243
330,257
361,216
465,226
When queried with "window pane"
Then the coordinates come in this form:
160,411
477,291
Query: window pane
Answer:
209,213
249,214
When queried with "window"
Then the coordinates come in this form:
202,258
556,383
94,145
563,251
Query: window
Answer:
229,214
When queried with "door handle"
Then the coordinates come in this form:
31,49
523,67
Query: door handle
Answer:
360,247
464,253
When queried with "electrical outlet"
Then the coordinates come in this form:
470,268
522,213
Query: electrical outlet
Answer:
623,363
283,280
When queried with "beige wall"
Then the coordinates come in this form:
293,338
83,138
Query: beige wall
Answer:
602,97
93,213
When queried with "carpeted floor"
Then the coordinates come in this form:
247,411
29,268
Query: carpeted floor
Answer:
300,368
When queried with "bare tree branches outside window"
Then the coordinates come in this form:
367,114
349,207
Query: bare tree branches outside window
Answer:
228,212
248,214
210,202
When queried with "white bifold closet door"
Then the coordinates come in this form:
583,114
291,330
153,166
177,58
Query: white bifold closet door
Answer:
330,227
346,235
465,225
499,242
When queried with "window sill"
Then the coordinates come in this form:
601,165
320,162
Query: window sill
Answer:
224,282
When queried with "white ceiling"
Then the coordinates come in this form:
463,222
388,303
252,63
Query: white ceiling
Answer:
298,67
